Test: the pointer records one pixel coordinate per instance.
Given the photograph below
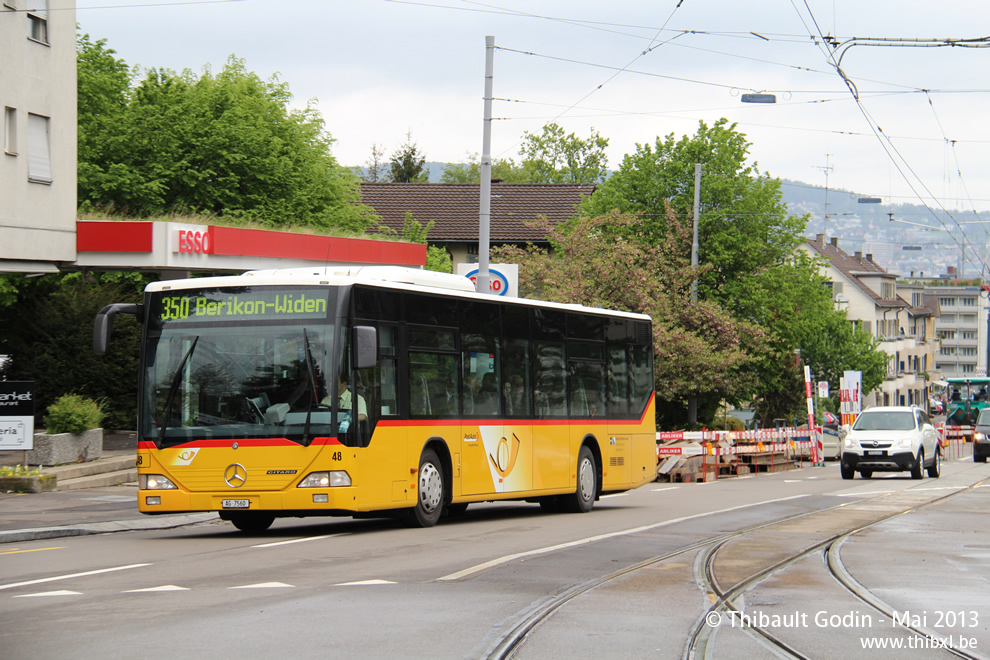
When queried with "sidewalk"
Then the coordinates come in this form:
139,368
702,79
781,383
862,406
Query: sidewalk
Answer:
77,512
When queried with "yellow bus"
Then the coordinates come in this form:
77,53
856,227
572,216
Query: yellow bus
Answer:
381,391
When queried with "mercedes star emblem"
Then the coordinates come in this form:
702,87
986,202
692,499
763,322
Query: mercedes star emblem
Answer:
235,475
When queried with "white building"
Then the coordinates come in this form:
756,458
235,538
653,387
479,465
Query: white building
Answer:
962,329
38,166
901,316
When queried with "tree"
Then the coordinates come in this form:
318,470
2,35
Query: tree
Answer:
375,170
699,349
51,344
407,164
744,225
553,157
470,172
225,144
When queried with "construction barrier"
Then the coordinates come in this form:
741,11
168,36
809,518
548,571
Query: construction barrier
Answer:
706,455
953,439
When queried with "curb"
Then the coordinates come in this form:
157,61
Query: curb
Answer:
163,522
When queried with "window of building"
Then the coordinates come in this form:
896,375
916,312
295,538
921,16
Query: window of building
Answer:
887,290
39,150
968,334
38,20
967,302
10,131
967,318
967,368
948,350
917,300
947,302
948,318
947,334
967,350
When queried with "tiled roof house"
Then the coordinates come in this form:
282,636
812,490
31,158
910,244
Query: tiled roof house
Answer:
454,207
900,315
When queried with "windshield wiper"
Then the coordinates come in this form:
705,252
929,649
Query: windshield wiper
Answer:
176,379
312,384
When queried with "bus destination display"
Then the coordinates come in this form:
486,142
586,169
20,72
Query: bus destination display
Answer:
259,305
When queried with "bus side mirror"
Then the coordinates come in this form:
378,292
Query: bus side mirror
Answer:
103,325
365,347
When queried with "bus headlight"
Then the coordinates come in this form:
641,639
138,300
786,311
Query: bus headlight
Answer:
326,479
155,482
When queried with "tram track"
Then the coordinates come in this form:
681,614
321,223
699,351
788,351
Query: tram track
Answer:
518,631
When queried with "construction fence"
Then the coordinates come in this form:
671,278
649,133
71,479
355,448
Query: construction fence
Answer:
703,456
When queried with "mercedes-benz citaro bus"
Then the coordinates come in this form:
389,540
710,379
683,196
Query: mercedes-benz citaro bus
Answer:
381,391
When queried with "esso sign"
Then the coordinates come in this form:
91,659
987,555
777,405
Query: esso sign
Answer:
497,283
194,242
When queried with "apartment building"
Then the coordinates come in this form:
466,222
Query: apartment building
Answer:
961,329
38,164
902,316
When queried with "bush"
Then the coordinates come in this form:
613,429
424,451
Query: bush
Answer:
729,423
72,413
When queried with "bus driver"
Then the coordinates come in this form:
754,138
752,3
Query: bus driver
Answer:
345,400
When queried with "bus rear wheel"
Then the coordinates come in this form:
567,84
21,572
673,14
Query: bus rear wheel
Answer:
583,498
429,491
252,523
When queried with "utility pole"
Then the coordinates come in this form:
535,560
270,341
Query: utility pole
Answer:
485,207
693,401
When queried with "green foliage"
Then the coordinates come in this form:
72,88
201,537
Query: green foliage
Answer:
52,342
504,170
226,144
743,227
725,422
438,259
407,164
553,157
72,413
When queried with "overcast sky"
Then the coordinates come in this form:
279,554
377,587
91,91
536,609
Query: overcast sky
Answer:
631,69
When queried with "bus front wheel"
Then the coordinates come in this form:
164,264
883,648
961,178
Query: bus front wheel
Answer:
252,523
430,490
587,484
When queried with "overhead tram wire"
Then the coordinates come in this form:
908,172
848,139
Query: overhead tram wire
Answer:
885,142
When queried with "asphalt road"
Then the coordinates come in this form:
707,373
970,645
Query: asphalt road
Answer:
636,577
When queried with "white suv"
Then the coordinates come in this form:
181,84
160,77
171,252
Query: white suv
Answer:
891,439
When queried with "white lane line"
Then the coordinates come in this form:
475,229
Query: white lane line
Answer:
591,539
264,585
164,587
70,576
301,540
605,497
50,593
362,583
660,490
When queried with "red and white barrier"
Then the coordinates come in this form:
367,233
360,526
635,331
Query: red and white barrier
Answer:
791,442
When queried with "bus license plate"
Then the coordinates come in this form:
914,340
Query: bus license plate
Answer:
235,504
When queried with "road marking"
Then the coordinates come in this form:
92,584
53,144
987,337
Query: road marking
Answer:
918,490
301,540
605,497
601,537
50,593
362,583
70,576
17,552
264,585
660,490
165,587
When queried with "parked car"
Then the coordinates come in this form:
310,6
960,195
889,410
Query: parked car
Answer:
981,437
891,439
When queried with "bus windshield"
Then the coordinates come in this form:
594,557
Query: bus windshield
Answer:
242,375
